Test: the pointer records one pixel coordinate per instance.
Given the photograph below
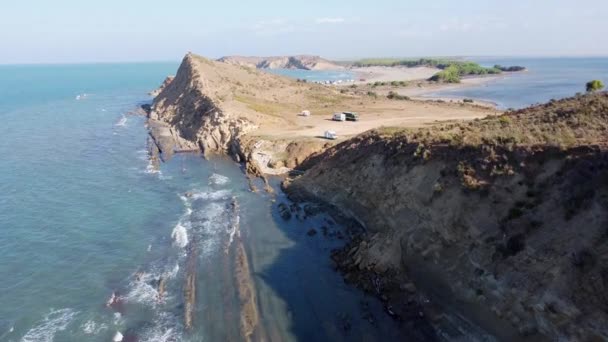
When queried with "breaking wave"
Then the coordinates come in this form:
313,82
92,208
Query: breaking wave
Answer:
180,235
56,320
218,179
93,328
122,122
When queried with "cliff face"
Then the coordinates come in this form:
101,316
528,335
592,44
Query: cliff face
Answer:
514,226
303,62
189,108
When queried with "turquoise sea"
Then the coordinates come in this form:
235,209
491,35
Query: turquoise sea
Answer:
545,79
83,216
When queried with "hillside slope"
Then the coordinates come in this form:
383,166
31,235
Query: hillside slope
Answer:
220,107
504,219
304,62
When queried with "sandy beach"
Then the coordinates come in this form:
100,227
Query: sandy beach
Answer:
387,74
418,88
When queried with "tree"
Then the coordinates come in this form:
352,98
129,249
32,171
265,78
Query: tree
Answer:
594,85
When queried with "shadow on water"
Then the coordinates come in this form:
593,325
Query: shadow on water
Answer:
319,304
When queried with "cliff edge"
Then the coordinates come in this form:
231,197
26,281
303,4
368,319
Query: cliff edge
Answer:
504,219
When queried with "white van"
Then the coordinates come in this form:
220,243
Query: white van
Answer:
339,117
331,135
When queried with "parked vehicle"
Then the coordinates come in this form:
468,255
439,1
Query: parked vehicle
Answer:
331,135
351,116
339,117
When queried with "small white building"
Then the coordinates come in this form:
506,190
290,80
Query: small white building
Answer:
331,135
339,117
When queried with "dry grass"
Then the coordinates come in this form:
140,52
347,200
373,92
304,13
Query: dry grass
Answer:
580,120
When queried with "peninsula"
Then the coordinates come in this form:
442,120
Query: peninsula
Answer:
499,217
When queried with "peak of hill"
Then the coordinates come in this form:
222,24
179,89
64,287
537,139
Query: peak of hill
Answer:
304,62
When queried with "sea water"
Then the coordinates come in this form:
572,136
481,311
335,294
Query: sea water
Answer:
545,79
84,218
316,75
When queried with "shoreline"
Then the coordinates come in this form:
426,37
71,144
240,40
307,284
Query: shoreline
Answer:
419,88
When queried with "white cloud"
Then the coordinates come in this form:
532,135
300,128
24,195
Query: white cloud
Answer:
328,20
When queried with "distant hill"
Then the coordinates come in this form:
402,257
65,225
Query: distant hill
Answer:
303,62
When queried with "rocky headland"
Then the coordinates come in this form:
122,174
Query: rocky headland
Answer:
304,62
500,219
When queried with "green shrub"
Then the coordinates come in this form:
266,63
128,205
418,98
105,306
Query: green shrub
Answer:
594,85
372,94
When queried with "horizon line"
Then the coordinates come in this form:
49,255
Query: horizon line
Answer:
345,59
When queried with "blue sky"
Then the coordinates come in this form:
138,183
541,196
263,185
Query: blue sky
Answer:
41,31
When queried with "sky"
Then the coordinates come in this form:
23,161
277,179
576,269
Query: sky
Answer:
68,31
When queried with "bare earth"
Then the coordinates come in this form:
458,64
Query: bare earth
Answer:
267,106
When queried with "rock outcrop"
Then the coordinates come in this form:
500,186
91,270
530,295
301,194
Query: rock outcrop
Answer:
507,217
166,82
191,109
304,62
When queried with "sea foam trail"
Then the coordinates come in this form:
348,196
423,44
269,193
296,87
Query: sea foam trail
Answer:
122,122
56,320
218,179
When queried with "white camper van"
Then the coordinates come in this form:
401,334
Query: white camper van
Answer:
331,135
339,117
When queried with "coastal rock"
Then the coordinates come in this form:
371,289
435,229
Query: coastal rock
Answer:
503,232
166,82
191,110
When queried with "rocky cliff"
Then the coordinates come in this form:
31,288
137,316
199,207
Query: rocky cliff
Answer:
188,109
504,220
304,62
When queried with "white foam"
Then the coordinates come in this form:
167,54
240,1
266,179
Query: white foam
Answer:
180,235
152,169
122,122
56,320
142,291
117,318
173,272
218,179
92,328
211,195
166,328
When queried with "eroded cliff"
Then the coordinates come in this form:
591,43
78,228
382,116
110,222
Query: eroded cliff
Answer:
506,218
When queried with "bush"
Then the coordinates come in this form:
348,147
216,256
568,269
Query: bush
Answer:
594,85
467,100
372,94
509,69
394,96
